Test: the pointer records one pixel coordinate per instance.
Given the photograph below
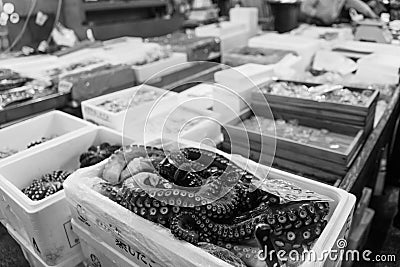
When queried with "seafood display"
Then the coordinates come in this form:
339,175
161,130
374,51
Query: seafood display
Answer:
207,200
293,131
196,48
73,67
261,52
29,90
140,97
264,56
51,183
10,80
152,55
322,93
46,186
38,142
243,55
96,154
16,95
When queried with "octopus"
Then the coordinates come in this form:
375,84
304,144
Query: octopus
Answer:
46,186
96,154
203,198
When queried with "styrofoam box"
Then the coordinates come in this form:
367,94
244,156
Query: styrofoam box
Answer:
24,65
52,124
231,34
246,15
219,29
46,70
199,97
121,53
245,76
305,47
379,68
98,253
115,225
368,47
115,120
234,94
153,128
34,260
155,70
315,32
45,224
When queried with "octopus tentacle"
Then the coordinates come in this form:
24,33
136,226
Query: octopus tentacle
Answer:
203,197
181,227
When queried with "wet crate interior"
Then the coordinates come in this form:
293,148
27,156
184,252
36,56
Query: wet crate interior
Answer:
31,134
54,124
16,171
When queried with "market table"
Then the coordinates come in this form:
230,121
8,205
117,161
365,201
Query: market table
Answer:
32,107
366,166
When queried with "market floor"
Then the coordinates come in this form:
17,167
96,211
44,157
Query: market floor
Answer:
383,237
10,251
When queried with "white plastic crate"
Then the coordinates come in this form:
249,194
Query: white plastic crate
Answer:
45,224
115,225
304,47
98,253
34,260
231,34
115,120
55,124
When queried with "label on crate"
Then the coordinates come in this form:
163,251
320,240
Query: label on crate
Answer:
94,113
64,87
112,235
132,253
73,239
